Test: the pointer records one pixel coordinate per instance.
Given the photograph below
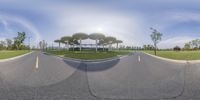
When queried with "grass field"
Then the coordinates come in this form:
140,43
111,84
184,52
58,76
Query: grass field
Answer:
180,55
10,53
89,55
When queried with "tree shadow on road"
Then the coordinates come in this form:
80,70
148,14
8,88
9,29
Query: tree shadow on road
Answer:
93,66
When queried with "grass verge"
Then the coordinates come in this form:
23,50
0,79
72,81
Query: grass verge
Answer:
178,55
12,53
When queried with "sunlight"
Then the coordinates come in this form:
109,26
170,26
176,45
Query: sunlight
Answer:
99,29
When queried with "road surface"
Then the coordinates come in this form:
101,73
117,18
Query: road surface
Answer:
136,77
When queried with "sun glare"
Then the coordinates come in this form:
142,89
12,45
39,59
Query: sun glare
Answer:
99,29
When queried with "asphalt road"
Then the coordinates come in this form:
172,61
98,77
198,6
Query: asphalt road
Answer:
136,77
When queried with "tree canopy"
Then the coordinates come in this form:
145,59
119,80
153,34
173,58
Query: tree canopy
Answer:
96,36
110,39
80,36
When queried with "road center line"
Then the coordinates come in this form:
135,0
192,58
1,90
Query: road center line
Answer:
36,63
139,58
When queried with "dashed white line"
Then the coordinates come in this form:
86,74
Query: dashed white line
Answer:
139,58
37,63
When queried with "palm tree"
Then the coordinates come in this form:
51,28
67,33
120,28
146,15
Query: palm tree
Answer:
110,40
96,37
118,42
58,41
66,40
80,36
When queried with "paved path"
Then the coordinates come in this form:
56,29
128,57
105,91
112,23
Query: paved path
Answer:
137,77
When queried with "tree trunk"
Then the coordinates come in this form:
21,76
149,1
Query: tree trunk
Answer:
96,45
59,45
110,47
67,45
73,47
80,45
155,48
117,47
17,47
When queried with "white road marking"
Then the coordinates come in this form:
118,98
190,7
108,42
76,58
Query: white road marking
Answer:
36,63
139,58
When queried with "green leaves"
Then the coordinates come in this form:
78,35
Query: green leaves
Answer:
19,39
96,36
156,36
65,39
110,39
80,36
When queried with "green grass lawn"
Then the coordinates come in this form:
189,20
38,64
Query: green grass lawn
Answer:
88,55
12,53
180,55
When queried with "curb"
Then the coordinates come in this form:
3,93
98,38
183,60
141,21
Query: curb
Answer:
13,58
172,60
97,60
167,59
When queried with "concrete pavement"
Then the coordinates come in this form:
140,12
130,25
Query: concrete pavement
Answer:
137,77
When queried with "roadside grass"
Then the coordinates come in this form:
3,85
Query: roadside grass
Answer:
12,53
88,55
178,55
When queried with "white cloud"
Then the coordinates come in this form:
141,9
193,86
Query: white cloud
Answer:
185,16
175,41
23,22
2,39
126,27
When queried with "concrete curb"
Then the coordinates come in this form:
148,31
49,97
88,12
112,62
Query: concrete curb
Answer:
167,59
80,60
193,61
13,58
172,60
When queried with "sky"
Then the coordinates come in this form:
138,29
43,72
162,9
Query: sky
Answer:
127,20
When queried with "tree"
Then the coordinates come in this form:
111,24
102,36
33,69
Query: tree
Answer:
177,48
43,44
19,39
118,42
80,36
187,46
145,47
66,40
148,47
103,42
190,43
58,41
73,42
96,37
110,40
9,43
156,38
2,45
195,43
